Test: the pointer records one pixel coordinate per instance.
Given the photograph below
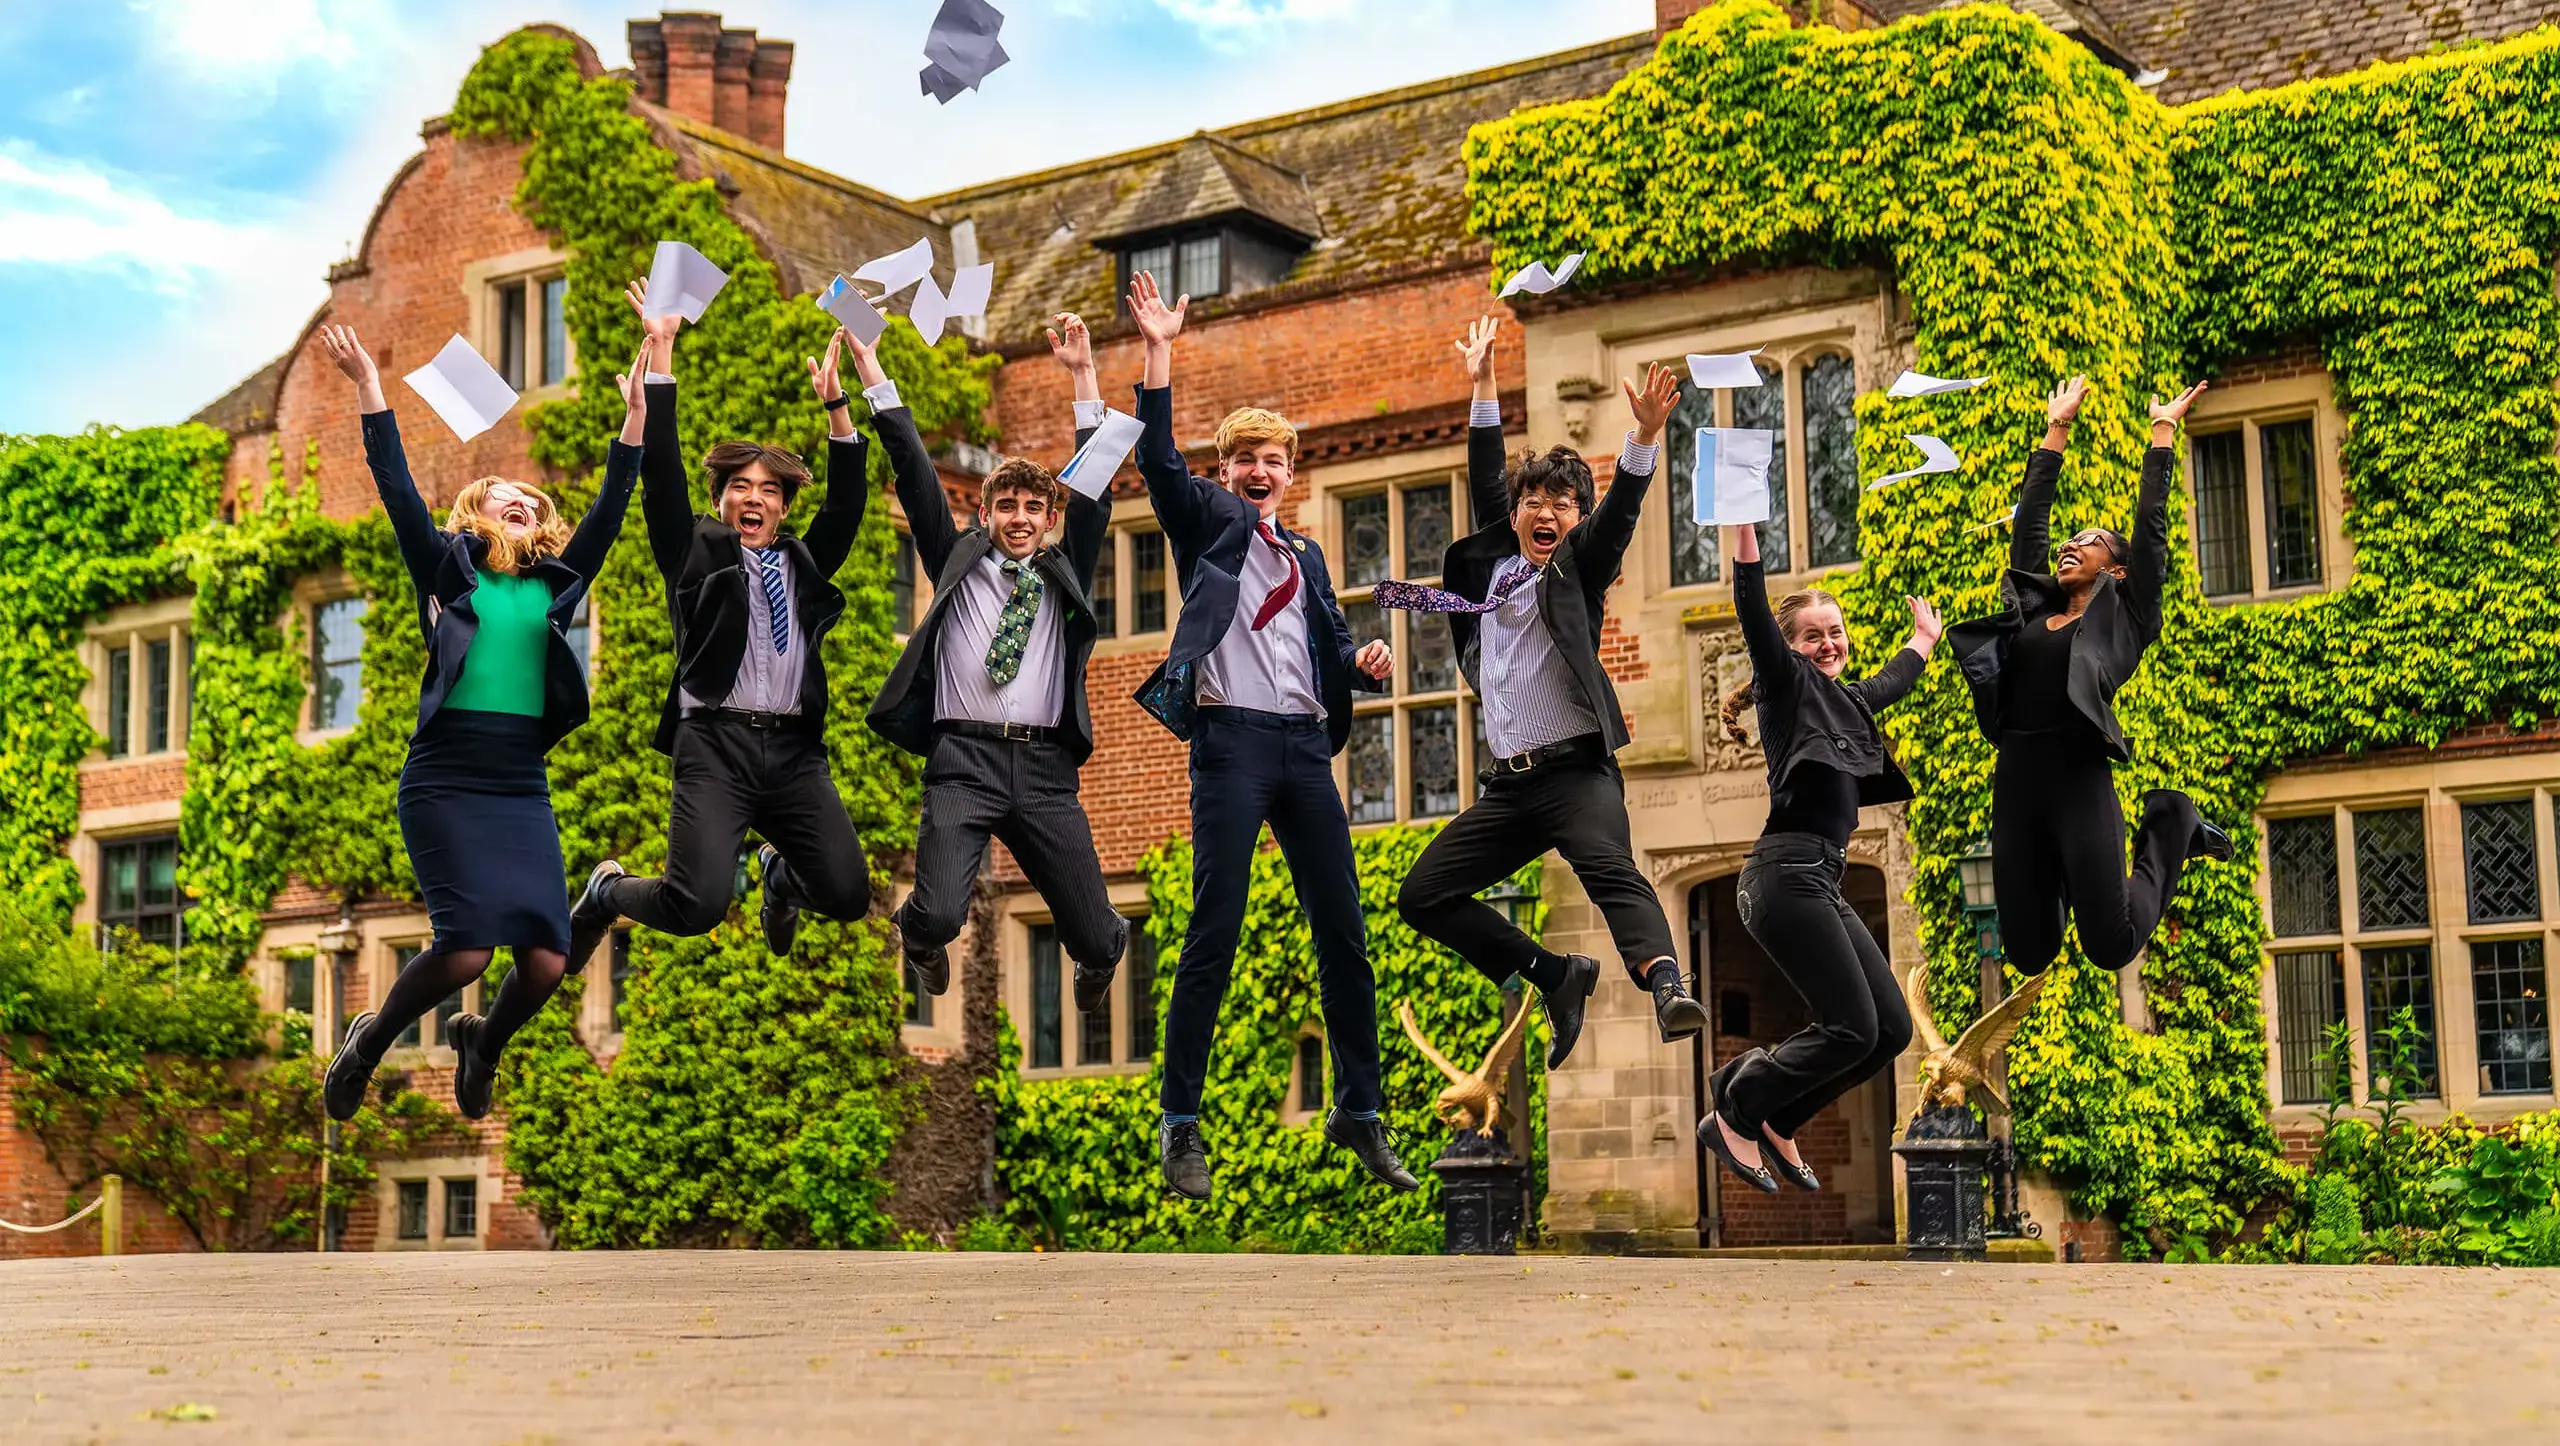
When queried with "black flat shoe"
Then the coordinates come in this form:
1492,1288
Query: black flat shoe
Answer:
342,1089
2210,843
933,970
1184,1159
1367,1141
1565,1005
780,916
1676,1014
1800,1176
1093,986
475,1076
591,918
1711,1135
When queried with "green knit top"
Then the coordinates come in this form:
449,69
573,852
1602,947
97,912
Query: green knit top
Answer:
504,670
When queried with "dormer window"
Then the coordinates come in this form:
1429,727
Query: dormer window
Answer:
1212,220
1190,266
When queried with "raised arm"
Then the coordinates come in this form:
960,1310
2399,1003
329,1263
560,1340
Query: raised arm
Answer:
1887,685
911,469
1088,518
1600,543
2030,532
1171,488
666,494
1772,667
2146,572
831,533
596,532
1488,499
412,525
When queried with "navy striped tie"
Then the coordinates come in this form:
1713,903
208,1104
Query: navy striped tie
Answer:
777,603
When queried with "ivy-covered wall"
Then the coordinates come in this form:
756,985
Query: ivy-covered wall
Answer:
2040,216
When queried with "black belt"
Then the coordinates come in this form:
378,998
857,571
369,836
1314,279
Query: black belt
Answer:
1582,748
750,718
1001,732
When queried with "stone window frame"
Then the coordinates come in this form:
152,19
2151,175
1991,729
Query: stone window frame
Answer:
2247,408
2439,787
381,960
133,628
435,1172
1120,550
301,624
481,284
1022,912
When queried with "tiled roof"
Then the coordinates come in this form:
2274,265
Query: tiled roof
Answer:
250,406
1210,177
2212,46
813,223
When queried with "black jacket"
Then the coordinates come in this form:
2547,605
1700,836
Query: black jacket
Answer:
1573,591
903,713
706,571
444,567
1806,717
2122,619
1209,529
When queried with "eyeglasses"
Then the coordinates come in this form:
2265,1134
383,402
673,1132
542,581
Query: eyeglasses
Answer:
1550,506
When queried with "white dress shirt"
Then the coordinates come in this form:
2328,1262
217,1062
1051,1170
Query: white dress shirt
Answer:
1037,694
1270,671
1530,696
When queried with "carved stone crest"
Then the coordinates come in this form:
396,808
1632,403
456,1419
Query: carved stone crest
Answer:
1722,665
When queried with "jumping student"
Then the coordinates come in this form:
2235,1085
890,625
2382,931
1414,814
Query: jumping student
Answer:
495,595
990,689
2044,674
745,716
1826,761
1525,594
1258,681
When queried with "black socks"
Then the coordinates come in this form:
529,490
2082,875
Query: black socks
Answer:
1661,973
1547,971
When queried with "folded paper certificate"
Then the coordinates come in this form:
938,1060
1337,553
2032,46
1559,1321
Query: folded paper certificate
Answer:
682,282
853,310
1913,384
899,270
1537,280
464,389
1935,456
962,47
1730,484
1733,369
1090,471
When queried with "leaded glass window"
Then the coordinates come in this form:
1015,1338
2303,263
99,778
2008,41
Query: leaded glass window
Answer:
1831,460
1365,554
2514,1016
2498,862
1431,658
2302,856
2222,513
2291,478
2310,997
1048,1026
1765,406
1372,759
2391,868
1695,554
1433,764
1428,529
2398,978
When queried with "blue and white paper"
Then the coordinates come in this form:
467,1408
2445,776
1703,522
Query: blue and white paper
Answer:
1090,471
843,301
1730,484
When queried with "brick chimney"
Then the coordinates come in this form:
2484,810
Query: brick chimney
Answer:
723,76
1670,15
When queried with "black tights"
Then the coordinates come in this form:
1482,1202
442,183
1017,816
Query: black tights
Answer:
2057,845
432,978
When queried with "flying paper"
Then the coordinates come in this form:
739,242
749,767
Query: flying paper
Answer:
682,282
1735,369
855,311
899,270
1090,471
939,83
1935,456
962,47
1730,484
1537,280
2003,520
970,287
1912,384
464,389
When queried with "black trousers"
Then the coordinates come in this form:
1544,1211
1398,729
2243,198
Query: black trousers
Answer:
2057,846
1025,794
1577,809
731,777
1249,768
1789,896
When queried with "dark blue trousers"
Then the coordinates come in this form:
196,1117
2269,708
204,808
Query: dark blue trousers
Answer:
1249,768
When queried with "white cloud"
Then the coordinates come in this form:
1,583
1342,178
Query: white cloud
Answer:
57,212
1236,21
256,46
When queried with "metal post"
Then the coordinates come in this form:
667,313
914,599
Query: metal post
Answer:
111,1216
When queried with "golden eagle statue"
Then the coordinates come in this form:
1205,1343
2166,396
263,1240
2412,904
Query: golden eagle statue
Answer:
1954,1075
1473,1100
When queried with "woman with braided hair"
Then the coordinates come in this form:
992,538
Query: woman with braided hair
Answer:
1826,761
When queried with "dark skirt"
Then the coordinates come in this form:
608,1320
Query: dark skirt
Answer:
475,812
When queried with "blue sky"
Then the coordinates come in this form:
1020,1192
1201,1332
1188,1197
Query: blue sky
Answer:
176,176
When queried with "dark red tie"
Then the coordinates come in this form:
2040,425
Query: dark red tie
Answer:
1288,587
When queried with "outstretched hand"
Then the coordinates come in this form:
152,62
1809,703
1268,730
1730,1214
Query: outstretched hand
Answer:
2173,411
2063,407
356,365
1925,626
1476,347
1157,322
635,396
660,330
1071,343
1653,404
823,376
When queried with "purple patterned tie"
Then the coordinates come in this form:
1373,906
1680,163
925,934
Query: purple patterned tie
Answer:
1413,597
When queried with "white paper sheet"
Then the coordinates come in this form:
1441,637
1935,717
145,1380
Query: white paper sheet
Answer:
1935,457
1090,471
1913,384
1730,483
929,311
682,282
972,287
1537,280
464,389
1732,369
899,270
2003,520
849,307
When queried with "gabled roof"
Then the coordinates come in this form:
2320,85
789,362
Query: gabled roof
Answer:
1207,178
250,406
811,222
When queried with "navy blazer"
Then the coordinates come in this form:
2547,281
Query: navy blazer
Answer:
1209,529
444,567
903,712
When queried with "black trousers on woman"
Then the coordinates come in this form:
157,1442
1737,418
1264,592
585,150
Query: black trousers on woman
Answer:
1789,895
2057,846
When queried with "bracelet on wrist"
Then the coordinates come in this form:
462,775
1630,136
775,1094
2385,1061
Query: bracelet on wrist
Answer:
841,402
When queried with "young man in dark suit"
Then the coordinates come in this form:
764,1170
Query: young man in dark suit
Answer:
745,717
1526,594
1258,681
990,689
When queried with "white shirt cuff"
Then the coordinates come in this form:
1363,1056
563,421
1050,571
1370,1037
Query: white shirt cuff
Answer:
660,377
1089,414
1484,414
882,397
1638,456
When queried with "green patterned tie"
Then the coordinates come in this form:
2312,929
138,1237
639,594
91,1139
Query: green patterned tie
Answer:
1013,625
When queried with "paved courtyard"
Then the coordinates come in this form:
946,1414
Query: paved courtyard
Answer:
771,1348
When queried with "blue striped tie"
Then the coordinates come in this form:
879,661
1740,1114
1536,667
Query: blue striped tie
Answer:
777,603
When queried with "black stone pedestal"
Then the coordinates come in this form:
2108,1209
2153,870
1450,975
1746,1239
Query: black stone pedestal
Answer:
1944,1154
1481,1190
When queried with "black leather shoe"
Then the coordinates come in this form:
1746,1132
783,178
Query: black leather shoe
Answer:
1093,986
591,918
342,1089
475,1076
1676,1013
1184,1158
1711,1135
781,917
933,970
1367,1140
2210,843
1565,1005
1800,1176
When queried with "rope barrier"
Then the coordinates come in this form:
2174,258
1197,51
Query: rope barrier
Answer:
110,1229
85,1212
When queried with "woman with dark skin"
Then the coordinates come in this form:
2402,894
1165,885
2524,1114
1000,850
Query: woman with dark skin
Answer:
2044,674
1826,761
496,588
